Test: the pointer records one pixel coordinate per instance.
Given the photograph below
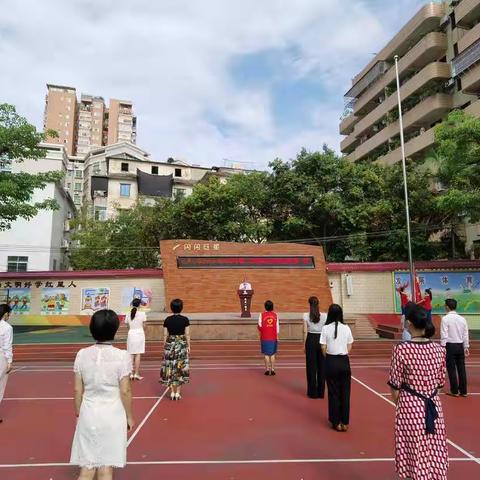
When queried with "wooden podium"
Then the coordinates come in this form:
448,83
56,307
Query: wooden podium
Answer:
245,302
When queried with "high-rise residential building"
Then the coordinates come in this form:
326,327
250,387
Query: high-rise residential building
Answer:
61,116
439,69
88,123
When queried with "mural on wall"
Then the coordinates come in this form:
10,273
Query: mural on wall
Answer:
19,299
144,294
55,301
93,299
462,286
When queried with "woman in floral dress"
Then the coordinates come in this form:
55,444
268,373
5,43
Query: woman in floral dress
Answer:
175,370
417,374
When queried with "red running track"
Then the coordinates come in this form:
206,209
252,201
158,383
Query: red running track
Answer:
233,423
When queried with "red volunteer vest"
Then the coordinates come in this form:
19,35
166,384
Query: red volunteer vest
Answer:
268,329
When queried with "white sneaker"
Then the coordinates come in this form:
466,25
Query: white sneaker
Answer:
178,396
172,396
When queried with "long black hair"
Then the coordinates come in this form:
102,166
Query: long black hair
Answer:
335,315
417,316
428,291
314,309
4,309
135,303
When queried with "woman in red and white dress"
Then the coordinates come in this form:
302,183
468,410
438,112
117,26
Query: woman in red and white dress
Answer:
417,374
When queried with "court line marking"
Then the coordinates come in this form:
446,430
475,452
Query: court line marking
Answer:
453,444
147,416
19,399
235,462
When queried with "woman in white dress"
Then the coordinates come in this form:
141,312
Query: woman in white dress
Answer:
103,401
136,336
6,340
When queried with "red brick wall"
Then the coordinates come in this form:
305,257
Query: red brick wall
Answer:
215,290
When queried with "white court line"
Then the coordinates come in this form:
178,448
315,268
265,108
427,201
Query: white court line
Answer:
453,444
441,393
234,462
147,416
19,399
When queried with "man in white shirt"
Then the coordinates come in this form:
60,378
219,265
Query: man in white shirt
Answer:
454,337
6,355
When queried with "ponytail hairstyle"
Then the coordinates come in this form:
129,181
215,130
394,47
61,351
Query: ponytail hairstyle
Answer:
417,316
314,309
335,315
4,310
135,303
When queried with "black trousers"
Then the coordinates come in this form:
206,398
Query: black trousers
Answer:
456,365
315,362
339,378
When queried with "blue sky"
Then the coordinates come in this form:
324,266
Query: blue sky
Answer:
213,82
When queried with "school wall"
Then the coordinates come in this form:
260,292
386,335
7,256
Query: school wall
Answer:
215,289
116,281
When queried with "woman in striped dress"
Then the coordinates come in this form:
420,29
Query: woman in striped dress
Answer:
175,370
417,374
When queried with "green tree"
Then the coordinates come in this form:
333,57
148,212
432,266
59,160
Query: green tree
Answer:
457,142
18,141
117,243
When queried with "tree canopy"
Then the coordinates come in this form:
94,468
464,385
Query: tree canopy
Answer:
20,140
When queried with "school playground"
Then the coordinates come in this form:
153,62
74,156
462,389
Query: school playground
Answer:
233,422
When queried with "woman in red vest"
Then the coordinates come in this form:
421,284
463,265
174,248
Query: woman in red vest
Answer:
268,328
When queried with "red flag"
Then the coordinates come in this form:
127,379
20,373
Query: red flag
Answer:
418,291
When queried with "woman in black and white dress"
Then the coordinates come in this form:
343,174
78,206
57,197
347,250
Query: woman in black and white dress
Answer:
336,340
313,322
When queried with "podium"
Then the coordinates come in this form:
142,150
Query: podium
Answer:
245,302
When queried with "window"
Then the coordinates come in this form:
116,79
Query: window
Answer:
178,172
78,174
154,170
124,167
76,199
124,189
100,213
179,192
17,264
78,186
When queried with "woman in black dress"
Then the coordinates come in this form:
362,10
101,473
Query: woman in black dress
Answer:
175,370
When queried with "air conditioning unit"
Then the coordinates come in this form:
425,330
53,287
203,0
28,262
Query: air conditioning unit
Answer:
69,215
100,193
66,227
66,243
446,19
439,187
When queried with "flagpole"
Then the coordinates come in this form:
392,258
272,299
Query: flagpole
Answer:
405,186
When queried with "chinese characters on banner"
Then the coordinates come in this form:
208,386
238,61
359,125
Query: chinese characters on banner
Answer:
9,285
462,286
55,301
94,299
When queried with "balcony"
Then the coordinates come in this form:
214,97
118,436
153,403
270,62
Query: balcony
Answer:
346,125
432,72
414,147
424,52
426,20
466,59
467,12
471,80
348,144
425,113
470,36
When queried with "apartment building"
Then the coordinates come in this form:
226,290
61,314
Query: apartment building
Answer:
42,242
439,69
120,175
87,123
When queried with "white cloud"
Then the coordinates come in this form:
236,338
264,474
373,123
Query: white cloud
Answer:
171,59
